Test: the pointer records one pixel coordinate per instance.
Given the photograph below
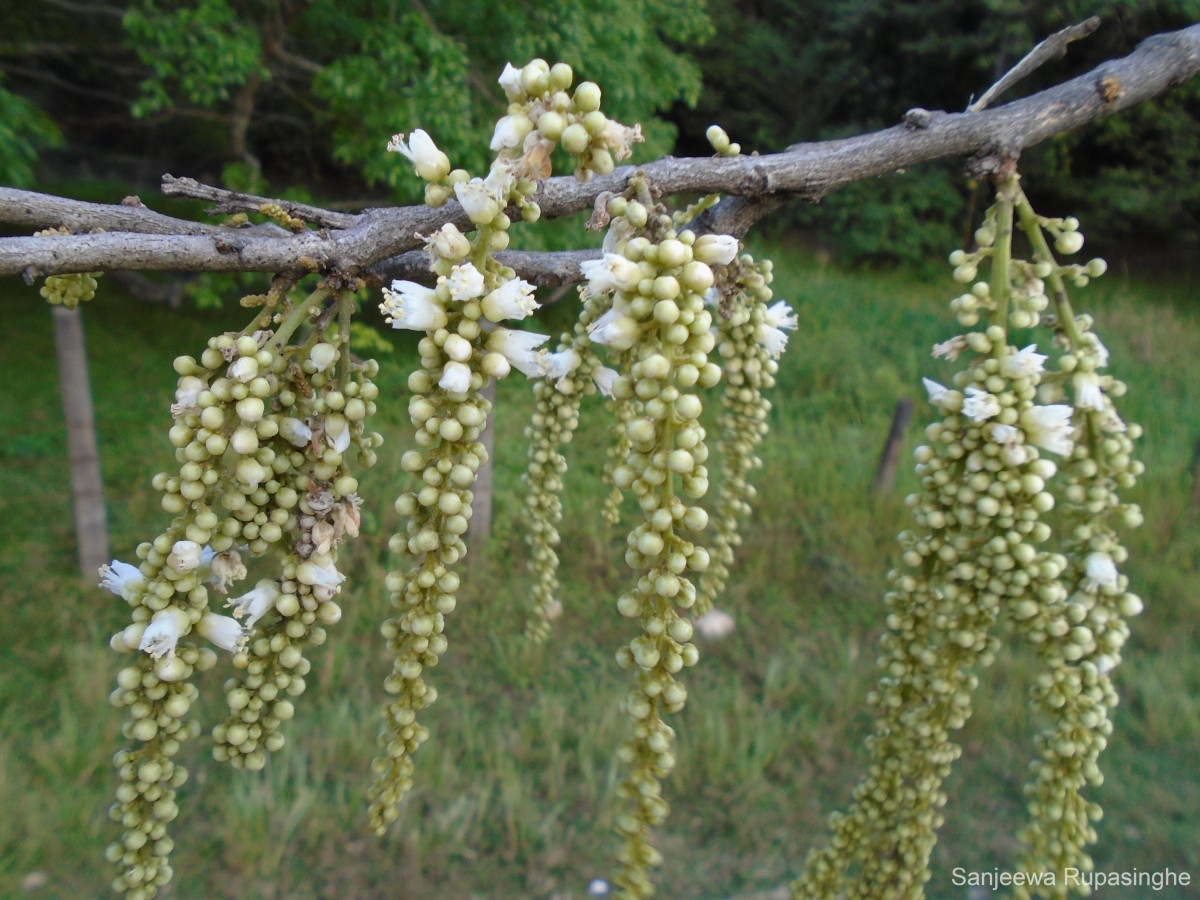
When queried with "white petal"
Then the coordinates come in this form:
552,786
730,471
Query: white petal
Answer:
456,378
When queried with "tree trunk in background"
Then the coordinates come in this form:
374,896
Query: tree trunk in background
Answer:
480,528
91,524
885,472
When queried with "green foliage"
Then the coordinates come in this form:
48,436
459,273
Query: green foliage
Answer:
195,53
24,129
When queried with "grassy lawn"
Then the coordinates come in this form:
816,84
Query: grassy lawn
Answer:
516,787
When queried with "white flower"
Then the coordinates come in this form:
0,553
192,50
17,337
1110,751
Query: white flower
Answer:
1049,427
510,82
611,272
935,391
1099,349
430,162
598,887
714,625
465,282
226,633
615,329
1101,572
951,348
412,306
512,300
715,249
187,395
500,181
257,603
456,378
295,432
1003,434
322,356
448,243
520,348
780,315
477,201
619,139
325,581
605,378
559,365
185,556
980,405
619,231
164,632
772,338
1087,391
510,132
122,579
225,569
337,432
244,369
1023,364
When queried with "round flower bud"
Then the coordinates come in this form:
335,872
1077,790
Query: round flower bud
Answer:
587,97
575,139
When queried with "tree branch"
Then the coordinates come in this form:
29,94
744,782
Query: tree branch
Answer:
1053,47
360,244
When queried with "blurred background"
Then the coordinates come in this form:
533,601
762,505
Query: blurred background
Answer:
515,789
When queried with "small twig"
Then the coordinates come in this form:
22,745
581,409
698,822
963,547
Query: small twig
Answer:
234,201
1053,47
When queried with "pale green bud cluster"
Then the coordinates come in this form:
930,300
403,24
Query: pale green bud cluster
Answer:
543,113
261,430
748,369
552,427
67,290
659,324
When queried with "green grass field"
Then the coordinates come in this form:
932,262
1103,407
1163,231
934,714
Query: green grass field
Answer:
515,789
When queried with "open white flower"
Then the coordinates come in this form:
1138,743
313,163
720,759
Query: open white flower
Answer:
935,391
1101,572
520,348
164,631
772,338
412,306
951,348
185,556
510,132
430,162
456,378
477,201
605,378
1049,427
1088,394
447,243
780,315
510,82
512,300
122,579
295,432
979,405
325,581
465,282
559,365
187,395
337,432
619,139
226,568
500,181
611,272
226,633
615,328
1023,363
257,603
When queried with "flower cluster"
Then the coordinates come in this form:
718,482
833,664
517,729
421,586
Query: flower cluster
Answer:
261,429
464,347
68,290
978,555
751,336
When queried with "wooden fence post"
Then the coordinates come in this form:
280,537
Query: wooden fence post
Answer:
885,473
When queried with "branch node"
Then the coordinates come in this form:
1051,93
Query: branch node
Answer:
918,119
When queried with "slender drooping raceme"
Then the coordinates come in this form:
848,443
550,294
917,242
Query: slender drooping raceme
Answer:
464,347
981,553
262,429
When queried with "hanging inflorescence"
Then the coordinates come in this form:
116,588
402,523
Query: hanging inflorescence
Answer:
263,428
1015,524
983,553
